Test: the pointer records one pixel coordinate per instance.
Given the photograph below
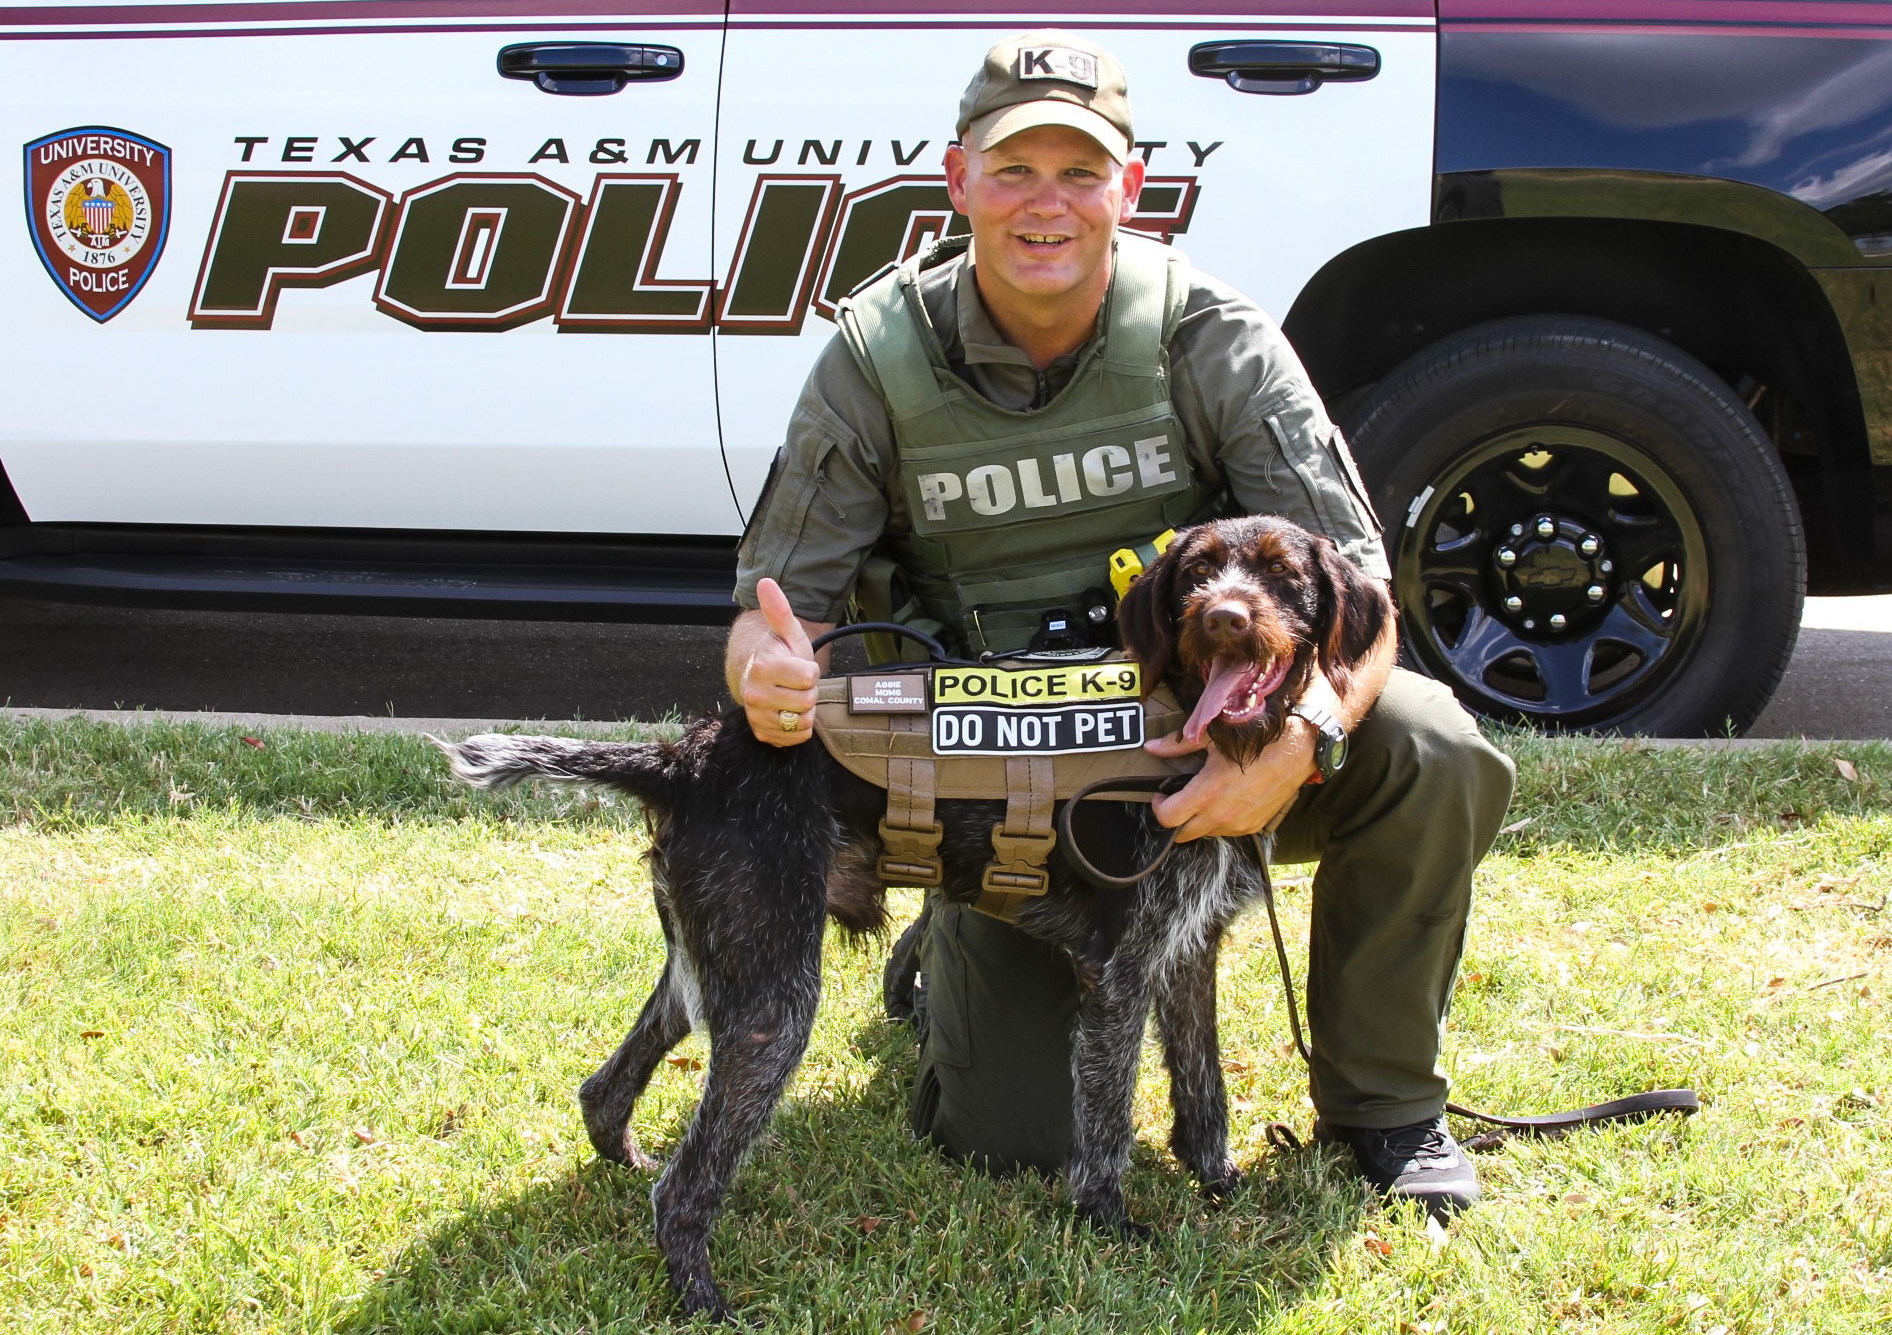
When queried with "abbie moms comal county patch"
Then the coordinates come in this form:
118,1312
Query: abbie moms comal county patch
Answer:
98,202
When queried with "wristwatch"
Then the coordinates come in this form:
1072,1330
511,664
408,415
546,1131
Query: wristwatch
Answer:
1330,739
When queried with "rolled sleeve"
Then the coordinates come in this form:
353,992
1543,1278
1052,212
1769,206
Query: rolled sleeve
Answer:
825,505
1246,402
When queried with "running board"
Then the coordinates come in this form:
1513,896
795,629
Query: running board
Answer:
671,594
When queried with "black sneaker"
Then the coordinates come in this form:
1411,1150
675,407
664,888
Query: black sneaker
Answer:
1420,1162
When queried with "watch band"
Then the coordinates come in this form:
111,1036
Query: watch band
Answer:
1330,739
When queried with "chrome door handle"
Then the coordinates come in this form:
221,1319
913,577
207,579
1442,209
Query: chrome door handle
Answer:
1283,68
588,69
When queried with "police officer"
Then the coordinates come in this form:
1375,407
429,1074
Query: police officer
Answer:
995,420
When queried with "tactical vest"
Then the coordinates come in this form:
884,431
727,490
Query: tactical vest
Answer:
1016,512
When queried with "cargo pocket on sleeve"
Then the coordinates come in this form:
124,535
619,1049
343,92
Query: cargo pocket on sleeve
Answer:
775,527
1317,483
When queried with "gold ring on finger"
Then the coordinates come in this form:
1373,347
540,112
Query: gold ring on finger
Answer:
791,721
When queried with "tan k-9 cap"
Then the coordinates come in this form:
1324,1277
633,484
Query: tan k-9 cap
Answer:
1049,77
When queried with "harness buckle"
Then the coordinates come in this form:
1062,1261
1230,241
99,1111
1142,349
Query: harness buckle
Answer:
910,856
1018,863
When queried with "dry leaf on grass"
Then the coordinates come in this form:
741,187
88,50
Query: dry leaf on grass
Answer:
867,1223
256,742
1379,1246
685,1063
913,1324
364,1135
1846,770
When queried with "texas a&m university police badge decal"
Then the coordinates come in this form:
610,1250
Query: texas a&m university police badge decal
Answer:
98,201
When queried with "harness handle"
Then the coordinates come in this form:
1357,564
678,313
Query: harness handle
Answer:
936,652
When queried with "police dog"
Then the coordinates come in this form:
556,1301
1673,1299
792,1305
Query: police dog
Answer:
753,846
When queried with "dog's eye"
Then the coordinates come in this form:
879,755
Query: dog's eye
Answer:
1277,567
1200,569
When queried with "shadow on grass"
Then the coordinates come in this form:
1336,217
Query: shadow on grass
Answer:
842,1221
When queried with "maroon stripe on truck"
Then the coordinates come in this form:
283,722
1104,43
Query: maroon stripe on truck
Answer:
406,12
147,34
1007,15
1756,17
336,11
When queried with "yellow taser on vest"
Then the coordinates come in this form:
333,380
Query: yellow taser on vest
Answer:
1126,563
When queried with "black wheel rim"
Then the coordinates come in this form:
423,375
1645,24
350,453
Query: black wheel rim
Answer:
1554,574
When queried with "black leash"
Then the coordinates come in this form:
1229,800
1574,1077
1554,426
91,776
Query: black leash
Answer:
1280,1136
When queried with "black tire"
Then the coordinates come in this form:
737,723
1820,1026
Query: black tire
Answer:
1562,467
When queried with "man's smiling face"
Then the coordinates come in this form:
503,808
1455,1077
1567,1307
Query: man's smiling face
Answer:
1044,206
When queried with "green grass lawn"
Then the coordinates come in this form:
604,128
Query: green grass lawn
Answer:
289,1034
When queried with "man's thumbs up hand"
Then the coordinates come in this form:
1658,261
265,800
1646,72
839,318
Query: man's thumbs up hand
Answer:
777,688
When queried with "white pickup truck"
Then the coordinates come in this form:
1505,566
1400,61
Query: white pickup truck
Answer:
498,306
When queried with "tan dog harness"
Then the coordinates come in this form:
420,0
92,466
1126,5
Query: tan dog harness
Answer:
895,750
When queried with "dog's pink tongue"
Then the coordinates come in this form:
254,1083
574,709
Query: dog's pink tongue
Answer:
1225,679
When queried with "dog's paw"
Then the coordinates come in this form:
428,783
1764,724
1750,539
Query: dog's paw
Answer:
1121,1227
1219,1191
699,1296
636,1157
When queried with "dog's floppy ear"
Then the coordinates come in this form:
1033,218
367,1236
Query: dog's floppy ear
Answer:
1146,617
1354,609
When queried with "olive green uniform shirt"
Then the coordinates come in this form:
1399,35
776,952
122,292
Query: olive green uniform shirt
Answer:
1251,419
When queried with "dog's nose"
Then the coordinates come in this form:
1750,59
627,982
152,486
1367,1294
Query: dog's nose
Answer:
1226,619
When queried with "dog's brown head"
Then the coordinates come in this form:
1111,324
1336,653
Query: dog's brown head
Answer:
1238,613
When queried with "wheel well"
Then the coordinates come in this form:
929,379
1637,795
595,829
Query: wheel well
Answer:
1746,309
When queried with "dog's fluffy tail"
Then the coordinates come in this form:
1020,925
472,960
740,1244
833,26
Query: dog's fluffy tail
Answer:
646,770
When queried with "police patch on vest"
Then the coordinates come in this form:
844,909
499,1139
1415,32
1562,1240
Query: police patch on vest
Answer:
997,730
1048,481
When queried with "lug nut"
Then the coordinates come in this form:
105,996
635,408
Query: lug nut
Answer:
1590,545
1507,558
1546,527
1594,593
1514,604
1557,621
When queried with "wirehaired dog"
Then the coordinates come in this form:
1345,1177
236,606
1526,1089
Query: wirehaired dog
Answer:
753,846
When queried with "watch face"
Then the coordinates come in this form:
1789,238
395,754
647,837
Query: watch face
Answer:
1337,753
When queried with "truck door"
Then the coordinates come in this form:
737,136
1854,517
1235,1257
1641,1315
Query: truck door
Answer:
1273,142
350,265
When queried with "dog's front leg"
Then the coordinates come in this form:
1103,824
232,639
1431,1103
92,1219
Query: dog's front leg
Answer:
1103,1068
1198,1099
758,1030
